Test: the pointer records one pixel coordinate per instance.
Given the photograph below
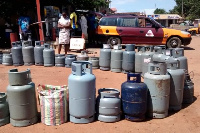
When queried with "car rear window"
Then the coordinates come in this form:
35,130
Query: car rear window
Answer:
108,22
128,22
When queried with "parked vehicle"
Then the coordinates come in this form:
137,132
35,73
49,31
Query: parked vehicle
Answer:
196,29
129,29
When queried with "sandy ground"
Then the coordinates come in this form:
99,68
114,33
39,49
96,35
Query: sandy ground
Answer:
184,121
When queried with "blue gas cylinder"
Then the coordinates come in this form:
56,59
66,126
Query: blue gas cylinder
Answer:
134,97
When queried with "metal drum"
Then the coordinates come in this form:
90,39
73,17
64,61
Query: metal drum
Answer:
82,90
158,83
128,63
7,59
105,57
188,93
116,59
48,55
138,60
69,59
17,55
95,62
134,98
108,105
83,56
21,98
28,53
4,110
38,54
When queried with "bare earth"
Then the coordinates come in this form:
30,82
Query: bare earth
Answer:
185,121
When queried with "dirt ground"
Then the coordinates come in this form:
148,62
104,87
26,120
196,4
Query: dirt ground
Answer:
184,121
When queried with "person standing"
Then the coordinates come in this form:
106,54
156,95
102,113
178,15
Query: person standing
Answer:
84,26
64,34
73,19
91,28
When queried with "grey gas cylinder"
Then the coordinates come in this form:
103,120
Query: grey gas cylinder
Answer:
188,92
21,98
116,59
83,56
105,57
138,60
158,84
48,55
1,57
17,55
178,54
7,59
28,53
159,55
38,54
95,62
4,110
128,63
82,90
147,58
108,105
69,59
176,84
59,60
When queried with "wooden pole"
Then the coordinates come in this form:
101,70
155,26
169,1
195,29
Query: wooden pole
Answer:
39,20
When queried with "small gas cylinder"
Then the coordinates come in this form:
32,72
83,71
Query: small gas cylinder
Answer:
95,62
38,54
4,110
83,56
138,60
1,57
17,55
105,57
59,60
188,92
28,53
116,59
7,59
48,55
69,59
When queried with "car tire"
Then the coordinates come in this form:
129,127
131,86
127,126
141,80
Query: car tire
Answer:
113,41
193,33
174,42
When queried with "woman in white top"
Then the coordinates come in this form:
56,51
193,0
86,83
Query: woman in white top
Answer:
64,34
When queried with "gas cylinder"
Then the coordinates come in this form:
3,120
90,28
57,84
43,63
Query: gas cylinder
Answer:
177,84
4,110
159,55
28,53
21,98
95,62
69,59
59,60
17,55
48,55
83,56
1,57
82,90
128,63
108,105
116,59
147,58
188,92
7,59
134,98
138,60
38,54
178,54
105,57
158,84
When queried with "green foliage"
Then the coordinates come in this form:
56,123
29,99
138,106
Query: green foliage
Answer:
159,11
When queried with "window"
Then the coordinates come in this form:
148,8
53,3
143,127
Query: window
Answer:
146,23
108,22
128,22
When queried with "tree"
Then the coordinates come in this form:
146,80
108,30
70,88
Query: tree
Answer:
160,11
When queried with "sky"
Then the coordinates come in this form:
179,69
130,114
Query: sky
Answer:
140,5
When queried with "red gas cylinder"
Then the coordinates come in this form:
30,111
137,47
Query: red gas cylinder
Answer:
13,37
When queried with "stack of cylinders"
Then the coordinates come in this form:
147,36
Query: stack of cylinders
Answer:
83,56
21,98
177,84
108,105
4,110
7,59
38,54
95,62
105,57
28,53
158,83
1,57
116,59
138,60
48,55
59,60
188,93
128,63
69,59
17,55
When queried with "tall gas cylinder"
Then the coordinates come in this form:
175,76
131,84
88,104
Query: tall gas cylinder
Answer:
83,56
7,59
4,110
69,59
116,59
108,105
21,98
95,62
138,60
176,84
48,55
188,92
17,55
134,98
38,54
82,90
105,57
1,57
59,60
147,58
158,83
128,63
28,53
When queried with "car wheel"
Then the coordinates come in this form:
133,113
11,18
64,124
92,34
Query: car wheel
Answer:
193,33
114,41
174,42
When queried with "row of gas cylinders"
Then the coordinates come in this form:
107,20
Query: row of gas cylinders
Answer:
163,89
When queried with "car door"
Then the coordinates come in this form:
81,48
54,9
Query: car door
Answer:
127,29
149,33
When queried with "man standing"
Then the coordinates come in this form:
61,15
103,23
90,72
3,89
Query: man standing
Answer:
73,20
